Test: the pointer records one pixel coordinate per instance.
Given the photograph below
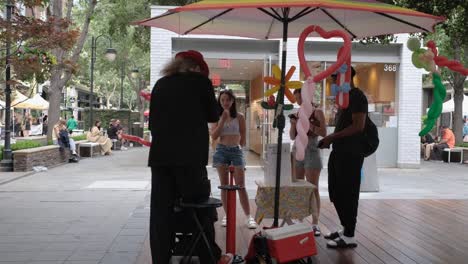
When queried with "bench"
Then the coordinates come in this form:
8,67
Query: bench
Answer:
455,150
89,149
47,156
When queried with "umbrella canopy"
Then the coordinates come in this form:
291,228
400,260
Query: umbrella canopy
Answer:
268,19
264,19
2,104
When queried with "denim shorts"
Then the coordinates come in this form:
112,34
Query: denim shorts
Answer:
312,159
226,155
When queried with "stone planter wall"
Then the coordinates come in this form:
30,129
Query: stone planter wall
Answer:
47,156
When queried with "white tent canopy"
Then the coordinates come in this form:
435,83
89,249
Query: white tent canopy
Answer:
449,106
35,103
38,103
18,98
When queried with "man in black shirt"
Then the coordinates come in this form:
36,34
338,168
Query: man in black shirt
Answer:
345,164
182,104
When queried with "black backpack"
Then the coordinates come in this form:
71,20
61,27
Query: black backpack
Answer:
370,137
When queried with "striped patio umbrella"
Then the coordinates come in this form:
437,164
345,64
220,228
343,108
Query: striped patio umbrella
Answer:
267,19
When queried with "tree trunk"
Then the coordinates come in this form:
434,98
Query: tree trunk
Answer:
458,113
55,92
458,85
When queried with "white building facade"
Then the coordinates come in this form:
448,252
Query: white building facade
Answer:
385,73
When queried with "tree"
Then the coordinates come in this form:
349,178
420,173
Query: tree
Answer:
32,39
452,39
62,72
132,44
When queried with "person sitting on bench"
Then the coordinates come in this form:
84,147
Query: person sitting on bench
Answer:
434,150
64,141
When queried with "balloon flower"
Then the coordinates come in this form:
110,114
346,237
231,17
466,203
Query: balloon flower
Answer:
275,80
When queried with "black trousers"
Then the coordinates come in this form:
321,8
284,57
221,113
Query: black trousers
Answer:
169,184
344,183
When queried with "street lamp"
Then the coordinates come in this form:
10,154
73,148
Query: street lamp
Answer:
110,55
135,73
7,163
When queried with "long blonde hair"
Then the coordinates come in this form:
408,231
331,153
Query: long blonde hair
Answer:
179,64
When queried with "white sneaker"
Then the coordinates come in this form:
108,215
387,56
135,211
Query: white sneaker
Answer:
251,223
224,222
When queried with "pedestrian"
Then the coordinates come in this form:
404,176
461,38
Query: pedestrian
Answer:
182,104
465,131
231,132
71,124
27,122
345,164
311,166
45,125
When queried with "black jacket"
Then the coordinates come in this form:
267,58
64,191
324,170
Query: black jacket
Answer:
181,107
63,139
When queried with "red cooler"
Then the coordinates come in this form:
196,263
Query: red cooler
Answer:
291,243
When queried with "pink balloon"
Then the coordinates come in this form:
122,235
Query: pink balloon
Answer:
308,89
324,34
303,123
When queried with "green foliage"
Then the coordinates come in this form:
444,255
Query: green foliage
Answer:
80,137
26,144
32,41
126,117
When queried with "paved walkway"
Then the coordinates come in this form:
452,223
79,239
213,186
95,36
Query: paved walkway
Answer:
97,211
84,213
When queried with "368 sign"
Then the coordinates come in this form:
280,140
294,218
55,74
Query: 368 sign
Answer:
390,67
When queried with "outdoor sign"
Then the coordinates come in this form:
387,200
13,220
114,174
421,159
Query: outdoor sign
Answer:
225,63
216,79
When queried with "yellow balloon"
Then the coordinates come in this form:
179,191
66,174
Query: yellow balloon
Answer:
276,72
294,85
272,90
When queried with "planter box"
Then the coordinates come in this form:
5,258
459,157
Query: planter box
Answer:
47,156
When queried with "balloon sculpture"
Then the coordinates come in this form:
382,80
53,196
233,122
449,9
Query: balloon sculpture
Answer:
308,89
147,96
428,59
276,81
341,88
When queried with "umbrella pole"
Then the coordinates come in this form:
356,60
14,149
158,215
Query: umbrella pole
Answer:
280,119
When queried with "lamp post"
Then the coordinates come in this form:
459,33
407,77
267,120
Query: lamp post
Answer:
7,163
135,74
110,55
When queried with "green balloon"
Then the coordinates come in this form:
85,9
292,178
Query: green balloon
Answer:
436,107
415,58
413,44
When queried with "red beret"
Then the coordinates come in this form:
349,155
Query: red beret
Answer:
198,58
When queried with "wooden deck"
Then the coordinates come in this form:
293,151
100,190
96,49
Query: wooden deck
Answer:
388,231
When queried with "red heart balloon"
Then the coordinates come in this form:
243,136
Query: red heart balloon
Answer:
324,34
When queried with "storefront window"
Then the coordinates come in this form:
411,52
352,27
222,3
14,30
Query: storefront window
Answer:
377,81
